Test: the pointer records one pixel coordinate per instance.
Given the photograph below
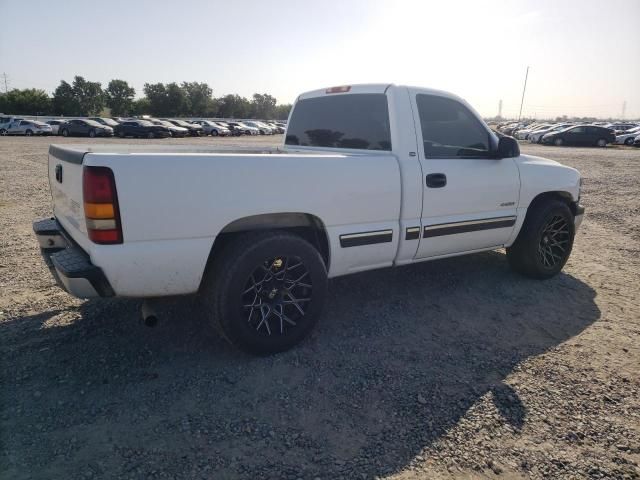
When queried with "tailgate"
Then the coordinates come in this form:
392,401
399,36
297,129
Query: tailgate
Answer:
65,181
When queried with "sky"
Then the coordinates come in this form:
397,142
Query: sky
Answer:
584,55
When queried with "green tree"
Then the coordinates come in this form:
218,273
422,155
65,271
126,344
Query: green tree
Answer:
263,106
156,95
234,106
282,111
119,97
141,106
64,100
89,96
198,98
29,101
177,102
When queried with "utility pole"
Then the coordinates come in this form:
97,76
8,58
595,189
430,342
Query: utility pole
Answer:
500,109
526,75
5,77
624,109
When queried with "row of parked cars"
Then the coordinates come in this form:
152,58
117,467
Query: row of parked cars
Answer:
570,133
147,127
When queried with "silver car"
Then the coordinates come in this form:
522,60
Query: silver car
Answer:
28,128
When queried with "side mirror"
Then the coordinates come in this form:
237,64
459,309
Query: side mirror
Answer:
507,148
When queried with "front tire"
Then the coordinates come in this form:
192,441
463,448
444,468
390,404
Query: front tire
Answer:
92,133
544,244
150,135
601,142
629,141
214,133
28,133
265,291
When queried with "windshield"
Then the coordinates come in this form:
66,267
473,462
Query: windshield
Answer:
110,122
93,123
145,123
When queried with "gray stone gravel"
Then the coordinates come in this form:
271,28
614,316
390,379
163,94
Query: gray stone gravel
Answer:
452,369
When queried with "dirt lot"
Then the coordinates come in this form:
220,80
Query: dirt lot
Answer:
457,368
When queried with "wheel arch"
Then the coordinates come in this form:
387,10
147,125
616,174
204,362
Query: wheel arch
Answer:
560,195
306,225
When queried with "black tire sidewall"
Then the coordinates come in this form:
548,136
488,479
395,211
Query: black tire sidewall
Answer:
525,250
232,318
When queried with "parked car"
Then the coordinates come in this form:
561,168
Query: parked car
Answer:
178,132
246,129
235,130
55,125
523,133
581,135
140,129
536,137
628,137
27,127
212,128
5,121
276,127
194,130
262,128
84,128
174,223
621,127
109,122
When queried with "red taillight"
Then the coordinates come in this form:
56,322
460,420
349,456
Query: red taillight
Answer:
101,205
341,89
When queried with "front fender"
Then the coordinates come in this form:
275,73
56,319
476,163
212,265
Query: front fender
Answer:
539,175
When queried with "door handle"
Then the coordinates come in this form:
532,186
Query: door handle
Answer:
436,180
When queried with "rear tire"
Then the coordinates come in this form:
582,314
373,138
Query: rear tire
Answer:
545,241
121,134
214,133
150,135
265,291
601,142
629,141
3,132
92,133
65,132
28,133
558,142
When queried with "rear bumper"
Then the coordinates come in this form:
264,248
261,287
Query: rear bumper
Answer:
69,264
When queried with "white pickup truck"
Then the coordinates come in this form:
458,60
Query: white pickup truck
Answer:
369,176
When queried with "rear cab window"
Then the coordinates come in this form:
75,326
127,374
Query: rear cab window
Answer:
353,121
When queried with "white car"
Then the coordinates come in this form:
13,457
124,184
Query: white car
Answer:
628,137
262,128
5,122
246,129
28,128
212,128
368,176
536,137
525,132
55,125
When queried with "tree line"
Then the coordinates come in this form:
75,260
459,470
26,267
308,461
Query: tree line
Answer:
189,99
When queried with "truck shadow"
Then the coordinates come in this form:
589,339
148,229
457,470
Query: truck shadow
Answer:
398,359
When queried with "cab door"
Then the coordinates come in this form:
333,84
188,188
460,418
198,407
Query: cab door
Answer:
469,197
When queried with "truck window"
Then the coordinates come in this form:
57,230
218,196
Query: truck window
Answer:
450,130
359,121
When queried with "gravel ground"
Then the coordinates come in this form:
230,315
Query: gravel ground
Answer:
457,368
